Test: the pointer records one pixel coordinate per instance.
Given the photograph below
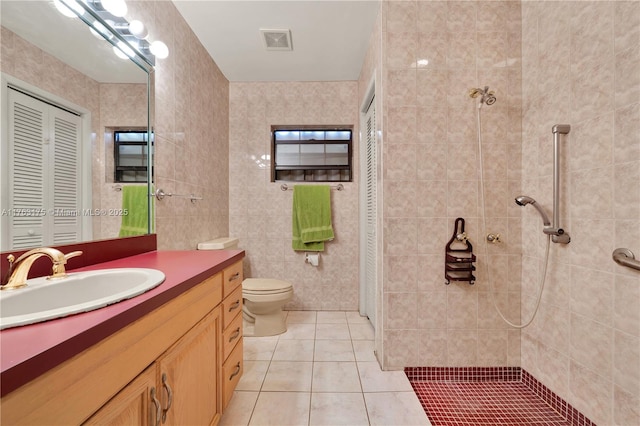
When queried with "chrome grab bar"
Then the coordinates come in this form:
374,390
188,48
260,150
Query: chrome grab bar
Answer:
625,257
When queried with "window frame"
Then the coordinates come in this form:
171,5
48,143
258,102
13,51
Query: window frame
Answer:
119,169
275,169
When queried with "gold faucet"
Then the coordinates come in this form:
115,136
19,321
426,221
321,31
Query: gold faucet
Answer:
19,268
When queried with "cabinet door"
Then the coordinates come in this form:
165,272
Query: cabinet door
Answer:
188,375
133,405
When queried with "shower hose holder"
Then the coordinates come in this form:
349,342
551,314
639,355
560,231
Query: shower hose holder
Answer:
459,257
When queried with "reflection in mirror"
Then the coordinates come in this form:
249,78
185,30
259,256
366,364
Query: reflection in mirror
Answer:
64,96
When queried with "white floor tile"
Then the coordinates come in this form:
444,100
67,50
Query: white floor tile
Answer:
252,375
288,376
294,350
299,331
281,408
395,409
373,379
259,348
335,377
354,317
338,409
332,331
363,350
332,317
306,317
361,331
333,350
239,410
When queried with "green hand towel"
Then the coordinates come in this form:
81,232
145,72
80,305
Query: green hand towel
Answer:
311,218
135,203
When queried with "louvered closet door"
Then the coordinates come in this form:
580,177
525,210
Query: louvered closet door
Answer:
44,173
28,124
371,214
65,176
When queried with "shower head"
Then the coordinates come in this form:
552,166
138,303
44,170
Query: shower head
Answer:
523,200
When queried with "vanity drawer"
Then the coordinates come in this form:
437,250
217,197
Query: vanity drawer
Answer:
232,277
231,373
231,336
231,306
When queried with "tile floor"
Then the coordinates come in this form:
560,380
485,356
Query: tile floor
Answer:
322,371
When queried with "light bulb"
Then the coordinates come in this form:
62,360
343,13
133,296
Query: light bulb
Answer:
115,7
123,51
159,49
137,29
71,11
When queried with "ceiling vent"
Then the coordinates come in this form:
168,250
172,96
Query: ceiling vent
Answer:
277,39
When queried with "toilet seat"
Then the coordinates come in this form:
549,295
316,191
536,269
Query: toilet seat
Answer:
265,286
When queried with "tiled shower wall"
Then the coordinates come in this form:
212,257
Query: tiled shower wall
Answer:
433,52
581,63
191,132
260,213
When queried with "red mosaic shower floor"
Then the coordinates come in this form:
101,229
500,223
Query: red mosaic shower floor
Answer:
484,403
489,396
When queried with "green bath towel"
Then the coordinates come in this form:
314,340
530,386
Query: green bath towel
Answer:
135,201
311,218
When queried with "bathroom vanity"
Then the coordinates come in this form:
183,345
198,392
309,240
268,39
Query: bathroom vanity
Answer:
172,355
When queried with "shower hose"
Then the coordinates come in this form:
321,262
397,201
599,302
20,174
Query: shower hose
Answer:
486,250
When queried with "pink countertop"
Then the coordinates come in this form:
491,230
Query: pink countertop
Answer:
27,352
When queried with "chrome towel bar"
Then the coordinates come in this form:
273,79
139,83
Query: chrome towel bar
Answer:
160,194
338,187
625,257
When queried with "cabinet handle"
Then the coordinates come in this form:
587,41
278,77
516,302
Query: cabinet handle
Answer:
235,373
158,408
234,305
235,335
234,276
169,397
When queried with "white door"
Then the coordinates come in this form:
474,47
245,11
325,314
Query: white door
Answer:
369,216
44,174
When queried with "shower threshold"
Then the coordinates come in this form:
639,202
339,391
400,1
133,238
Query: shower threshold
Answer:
489,396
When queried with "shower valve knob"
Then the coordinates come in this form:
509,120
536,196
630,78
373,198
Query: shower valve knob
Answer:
494,238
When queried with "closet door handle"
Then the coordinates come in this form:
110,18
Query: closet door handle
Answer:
235,335
158,407
234,305
166,386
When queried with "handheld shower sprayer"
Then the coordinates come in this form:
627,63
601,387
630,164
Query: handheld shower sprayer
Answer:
523,200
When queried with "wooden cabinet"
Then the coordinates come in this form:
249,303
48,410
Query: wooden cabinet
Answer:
170,363
232,366
134,405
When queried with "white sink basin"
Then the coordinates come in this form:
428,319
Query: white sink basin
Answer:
45,299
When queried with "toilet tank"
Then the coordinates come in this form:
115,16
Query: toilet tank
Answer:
223,243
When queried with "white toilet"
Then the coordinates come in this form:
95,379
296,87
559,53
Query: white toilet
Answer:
263,298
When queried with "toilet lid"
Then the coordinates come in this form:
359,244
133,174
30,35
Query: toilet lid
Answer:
261,285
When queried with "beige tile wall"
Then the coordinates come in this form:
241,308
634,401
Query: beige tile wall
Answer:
191,130
430,178
260,213
580,67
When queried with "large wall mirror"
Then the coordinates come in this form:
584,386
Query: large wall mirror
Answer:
76,146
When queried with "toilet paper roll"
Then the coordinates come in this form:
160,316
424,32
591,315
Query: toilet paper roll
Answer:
313,259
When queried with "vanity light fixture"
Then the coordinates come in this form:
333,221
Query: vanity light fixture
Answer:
71,10
129,39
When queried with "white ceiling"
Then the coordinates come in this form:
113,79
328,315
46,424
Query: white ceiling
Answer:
329,38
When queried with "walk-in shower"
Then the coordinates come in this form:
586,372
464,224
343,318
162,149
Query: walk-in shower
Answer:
487,97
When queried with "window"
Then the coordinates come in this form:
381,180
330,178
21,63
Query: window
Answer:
130,153
318,154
